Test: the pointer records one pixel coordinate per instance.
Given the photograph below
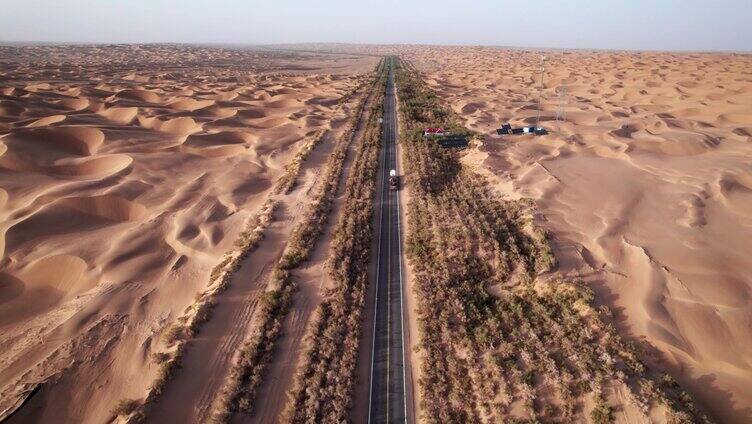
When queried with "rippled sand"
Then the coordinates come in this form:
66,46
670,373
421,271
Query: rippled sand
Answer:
645,183
125,173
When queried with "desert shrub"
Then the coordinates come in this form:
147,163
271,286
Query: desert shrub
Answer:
219,269
240,388
190,323
173,333
601,413
529,377
202,315
125,407
287,181
165,372
461,241
160,357
322,391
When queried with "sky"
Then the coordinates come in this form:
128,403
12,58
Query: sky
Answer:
597,24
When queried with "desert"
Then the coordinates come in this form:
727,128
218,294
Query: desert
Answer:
127,172
334,232
643,183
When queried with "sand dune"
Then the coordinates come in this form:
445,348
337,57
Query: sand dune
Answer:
121,115
122,186
62,273
100,166
47,121
75,104
282,101
265,123
189,104
224,143
220,138
57,150
78,141
42,285
176,126
140,95
107,206
736,192
644,183
253,113
225,96
10,108
217,111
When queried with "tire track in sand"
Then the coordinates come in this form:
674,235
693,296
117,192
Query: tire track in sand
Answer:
189,396
311,279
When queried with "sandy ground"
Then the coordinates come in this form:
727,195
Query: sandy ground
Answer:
645,184
312,281
412,334
125,173
209,358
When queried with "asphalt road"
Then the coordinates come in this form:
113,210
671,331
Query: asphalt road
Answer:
388,397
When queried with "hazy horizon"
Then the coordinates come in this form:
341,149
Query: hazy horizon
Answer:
21,43
322,43
641,25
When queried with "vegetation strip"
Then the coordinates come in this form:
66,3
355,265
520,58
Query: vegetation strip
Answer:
500,344
177,335
240,388
323,387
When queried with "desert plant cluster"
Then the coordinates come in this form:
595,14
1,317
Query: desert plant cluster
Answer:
244,379
498,341
178,334
323,387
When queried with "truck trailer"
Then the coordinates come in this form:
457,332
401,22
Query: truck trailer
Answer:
393,180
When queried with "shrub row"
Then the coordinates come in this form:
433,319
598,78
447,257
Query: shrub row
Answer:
323,387
246,375
177,334
500,344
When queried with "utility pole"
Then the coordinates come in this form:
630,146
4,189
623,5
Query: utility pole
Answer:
540,92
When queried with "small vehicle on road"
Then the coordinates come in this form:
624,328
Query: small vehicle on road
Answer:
393,180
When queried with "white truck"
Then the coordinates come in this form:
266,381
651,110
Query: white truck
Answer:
393,180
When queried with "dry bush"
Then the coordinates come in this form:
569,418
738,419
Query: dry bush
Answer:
173,333
160,357
322,391
239,391
188,325
463,240
125,407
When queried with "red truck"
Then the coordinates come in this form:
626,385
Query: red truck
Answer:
393,180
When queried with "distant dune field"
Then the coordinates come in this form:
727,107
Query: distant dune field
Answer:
645,184
137,179
125,173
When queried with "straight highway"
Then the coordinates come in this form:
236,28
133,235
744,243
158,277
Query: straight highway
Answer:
389,388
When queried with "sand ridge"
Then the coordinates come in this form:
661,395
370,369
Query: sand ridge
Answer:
126,172
644,184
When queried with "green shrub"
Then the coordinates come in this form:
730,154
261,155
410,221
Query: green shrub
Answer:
601,413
